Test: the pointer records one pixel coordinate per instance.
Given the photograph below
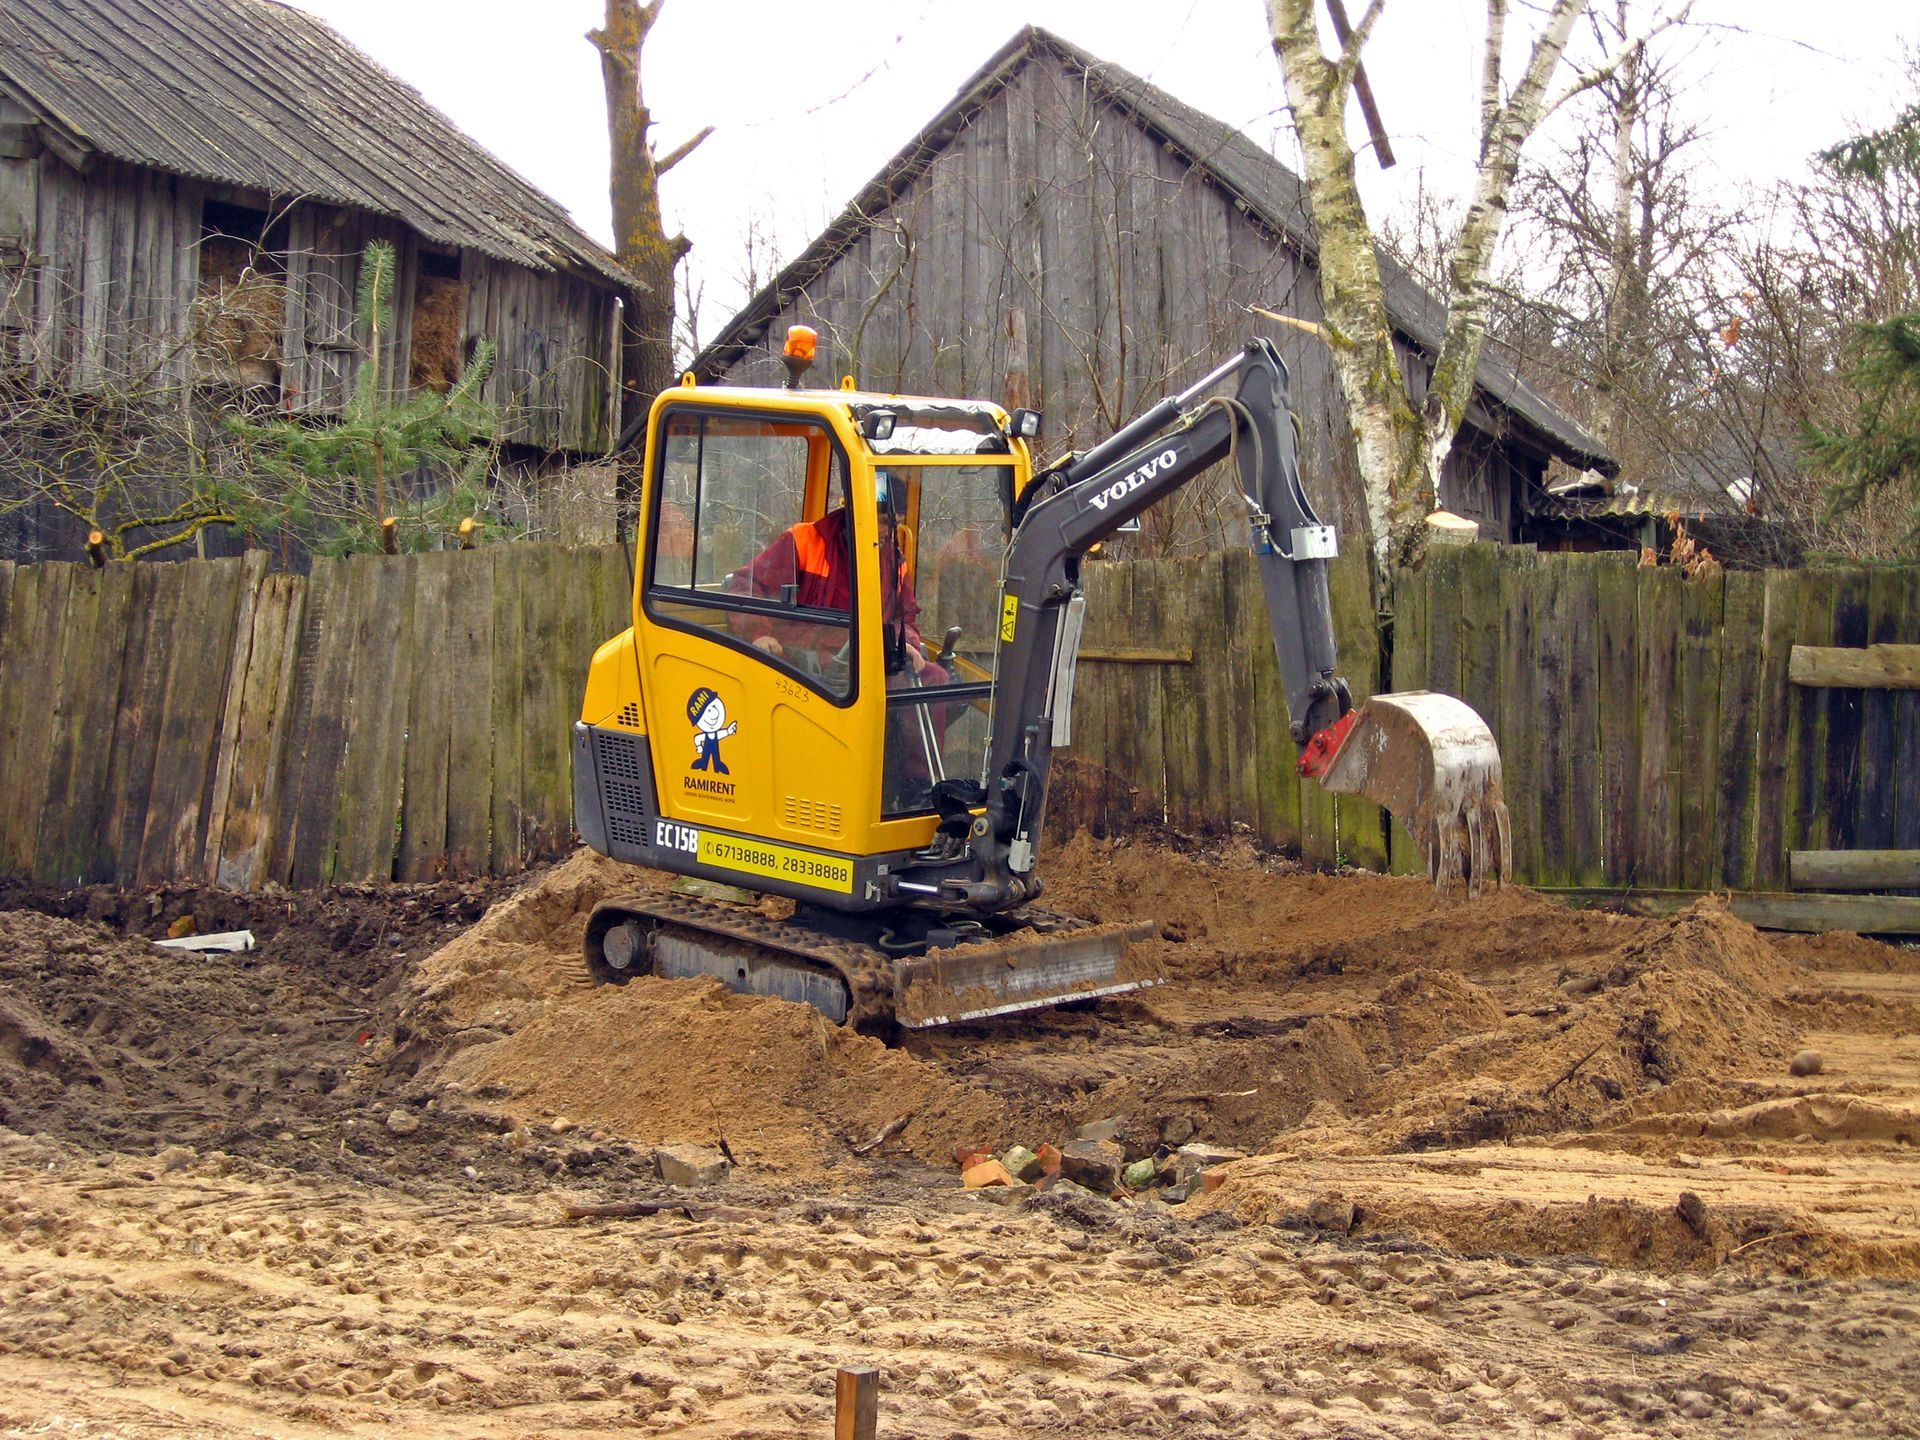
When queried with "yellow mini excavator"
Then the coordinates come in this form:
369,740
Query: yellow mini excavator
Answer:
855,623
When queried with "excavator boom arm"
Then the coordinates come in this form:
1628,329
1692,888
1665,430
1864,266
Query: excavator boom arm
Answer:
1092,497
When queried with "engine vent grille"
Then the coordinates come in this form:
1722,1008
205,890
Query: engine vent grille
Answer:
630,716
812,815
625,787
619,759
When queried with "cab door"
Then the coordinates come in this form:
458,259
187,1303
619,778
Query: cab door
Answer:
749,655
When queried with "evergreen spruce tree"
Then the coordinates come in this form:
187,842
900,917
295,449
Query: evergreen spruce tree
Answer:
1879,447
343,478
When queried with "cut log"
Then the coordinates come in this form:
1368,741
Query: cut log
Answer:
1446,528
1813,914
1872,667
1854,869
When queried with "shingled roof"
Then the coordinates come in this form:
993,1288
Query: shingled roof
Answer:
1272,194
258,95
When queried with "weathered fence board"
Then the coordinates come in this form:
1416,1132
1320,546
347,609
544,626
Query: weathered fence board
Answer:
469,664
1414,631
373,768
1742,636
136,738
410,716
1359,834
1696,726
1618,716
424,789
1906,737
1657,844
1772,754
1580,621
172,840
509,708
78,853
257,720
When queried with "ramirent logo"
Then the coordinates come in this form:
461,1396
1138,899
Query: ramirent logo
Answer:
1133,480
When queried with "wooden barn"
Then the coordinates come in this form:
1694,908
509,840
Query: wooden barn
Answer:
1067,236
186,191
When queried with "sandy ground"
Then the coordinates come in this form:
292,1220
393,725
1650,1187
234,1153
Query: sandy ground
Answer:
1513,1170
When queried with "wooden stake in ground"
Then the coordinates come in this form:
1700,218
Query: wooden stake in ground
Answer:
856,1404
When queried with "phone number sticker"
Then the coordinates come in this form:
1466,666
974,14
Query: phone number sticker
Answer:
776,862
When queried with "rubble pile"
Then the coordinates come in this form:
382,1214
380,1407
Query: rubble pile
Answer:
1107,1159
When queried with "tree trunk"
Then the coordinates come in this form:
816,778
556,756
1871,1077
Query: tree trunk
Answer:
640,241
1402,450
1386,430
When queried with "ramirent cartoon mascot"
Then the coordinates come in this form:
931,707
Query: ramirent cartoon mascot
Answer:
709,716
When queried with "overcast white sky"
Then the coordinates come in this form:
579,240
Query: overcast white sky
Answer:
810,99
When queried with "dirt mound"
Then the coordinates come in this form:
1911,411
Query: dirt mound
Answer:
510,1002
1468,1047
659,1060
1841,951
1231,912
523,952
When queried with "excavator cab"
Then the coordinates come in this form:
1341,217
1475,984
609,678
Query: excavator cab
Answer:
811,596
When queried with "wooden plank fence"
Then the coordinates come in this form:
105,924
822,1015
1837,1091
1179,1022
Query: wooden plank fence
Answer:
387,717
1650,736
409,717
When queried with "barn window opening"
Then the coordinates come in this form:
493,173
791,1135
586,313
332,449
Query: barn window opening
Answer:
439,315
240,306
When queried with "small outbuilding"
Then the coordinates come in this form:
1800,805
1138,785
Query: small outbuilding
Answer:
187,189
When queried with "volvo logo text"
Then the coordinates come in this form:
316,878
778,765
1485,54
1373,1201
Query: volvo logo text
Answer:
1133,480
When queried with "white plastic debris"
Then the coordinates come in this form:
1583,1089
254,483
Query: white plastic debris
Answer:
225,940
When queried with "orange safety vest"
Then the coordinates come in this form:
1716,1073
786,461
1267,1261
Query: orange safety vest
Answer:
810,550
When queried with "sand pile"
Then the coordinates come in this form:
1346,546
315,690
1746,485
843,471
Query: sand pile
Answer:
524,952
1235,915
1697,1000
666,1060
508,1004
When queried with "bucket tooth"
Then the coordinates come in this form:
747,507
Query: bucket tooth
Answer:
1430,760
1026,972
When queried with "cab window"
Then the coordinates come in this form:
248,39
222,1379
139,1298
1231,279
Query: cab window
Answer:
750,540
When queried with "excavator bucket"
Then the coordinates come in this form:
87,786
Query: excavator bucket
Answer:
1430,760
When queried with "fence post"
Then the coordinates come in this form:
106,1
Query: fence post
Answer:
856,1404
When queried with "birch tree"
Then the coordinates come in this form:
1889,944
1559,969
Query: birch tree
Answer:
1403,446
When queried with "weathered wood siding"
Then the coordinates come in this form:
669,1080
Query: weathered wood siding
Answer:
1054,253
115,262
114,271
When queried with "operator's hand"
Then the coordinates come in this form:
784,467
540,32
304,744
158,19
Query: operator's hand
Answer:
918,659
770,645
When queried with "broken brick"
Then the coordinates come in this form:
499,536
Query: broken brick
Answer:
986,1172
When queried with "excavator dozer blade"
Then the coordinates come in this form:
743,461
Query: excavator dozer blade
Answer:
1025,972
1430,760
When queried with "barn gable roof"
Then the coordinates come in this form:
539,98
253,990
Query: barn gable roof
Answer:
1272,194
258,95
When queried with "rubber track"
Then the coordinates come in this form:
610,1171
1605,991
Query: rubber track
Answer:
866,970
